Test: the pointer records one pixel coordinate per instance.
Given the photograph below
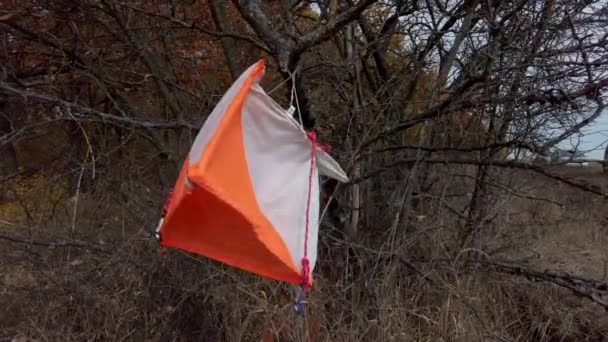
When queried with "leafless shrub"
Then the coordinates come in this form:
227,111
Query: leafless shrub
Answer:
441,111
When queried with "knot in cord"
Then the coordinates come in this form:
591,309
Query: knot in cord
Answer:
312,136
305,281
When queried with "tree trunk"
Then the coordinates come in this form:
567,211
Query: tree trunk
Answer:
8,154
218,11
606,160
352,59
477,209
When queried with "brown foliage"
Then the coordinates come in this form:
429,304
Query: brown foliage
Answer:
419,101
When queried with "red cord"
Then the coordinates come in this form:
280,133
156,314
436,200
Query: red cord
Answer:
305,283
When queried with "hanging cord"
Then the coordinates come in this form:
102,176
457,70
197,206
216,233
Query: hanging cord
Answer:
294,94
312,136
305,274
305,282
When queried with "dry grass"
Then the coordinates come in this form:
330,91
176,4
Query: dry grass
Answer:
114,283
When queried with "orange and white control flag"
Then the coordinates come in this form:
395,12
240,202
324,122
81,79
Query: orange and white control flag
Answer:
248,192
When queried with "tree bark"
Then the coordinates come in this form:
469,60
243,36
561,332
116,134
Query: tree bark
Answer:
353,60
218,12
467,25
8,154
606,159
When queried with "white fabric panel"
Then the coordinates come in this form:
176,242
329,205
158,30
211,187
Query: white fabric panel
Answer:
210,125
326,164
278,157
329,167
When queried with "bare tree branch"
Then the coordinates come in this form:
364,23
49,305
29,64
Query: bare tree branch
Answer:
323,33
197,27
221,22
82,111
542,170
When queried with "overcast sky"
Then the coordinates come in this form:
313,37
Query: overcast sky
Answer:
594,139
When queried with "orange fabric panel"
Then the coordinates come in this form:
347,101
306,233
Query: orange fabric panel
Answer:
201,223
220,217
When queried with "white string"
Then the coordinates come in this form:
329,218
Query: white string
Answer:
277,86
294,93
294,96
293,88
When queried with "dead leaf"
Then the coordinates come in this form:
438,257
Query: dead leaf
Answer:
7,16
76,262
